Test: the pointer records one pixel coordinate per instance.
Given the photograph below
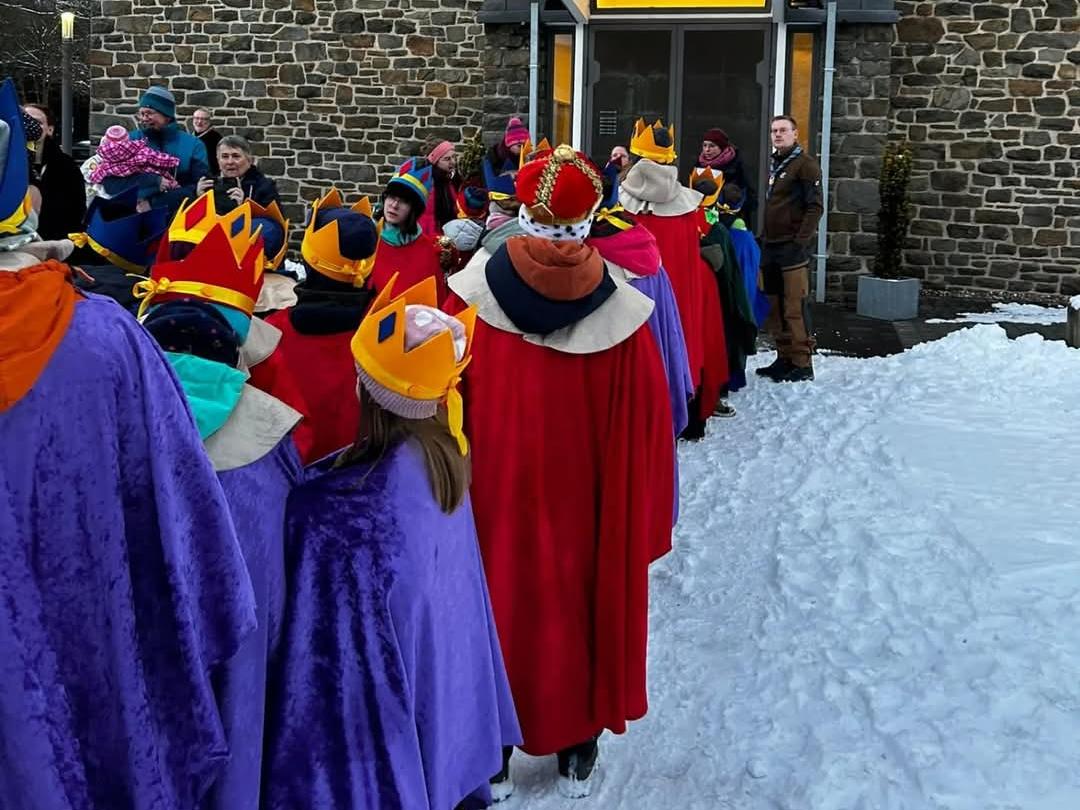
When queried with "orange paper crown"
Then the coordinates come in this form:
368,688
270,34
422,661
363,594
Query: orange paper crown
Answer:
210,272
322,250
705,173
643,144
428,372
194,222
272,212
530,152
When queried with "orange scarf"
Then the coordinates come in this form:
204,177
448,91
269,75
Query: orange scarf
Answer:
559,271
36,305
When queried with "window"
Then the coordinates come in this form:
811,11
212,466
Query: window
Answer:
802,87
562,90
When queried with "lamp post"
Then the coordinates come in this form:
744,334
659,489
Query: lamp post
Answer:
67,34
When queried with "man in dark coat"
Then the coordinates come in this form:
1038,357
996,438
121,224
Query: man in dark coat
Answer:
240,178
202,127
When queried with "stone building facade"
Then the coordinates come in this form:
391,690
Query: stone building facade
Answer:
338,91
988,95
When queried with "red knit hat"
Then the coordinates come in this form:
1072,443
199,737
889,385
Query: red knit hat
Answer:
717,136
515,132
561,189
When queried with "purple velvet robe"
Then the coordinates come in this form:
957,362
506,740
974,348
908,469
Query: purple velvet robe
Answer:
257,494
122,582
667,330
391,694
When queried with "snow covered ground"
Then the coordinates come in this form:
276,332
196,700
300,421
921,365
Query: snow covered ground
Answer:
1011,313
874,600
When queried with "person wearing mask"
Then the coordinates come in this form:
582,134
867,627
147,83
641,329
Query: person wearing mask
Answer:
443,207
621,160
720,154
63,190
203,129
157,125
404,249
393,690
566,522
124,583
792,209
240,178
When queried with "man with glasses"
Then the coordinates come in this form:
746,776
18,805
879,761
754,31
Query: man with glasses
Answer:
157,124
202,127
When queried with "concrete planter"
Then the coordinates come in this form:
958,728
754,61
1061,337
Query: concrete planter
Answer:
888,299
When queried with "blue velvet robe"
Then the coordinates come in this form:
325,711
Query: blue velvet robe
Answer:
391,693
121,577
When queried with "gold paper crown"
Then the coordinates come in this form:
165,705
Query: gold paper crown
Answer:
705,173
530,152
322,250
428,372
643,144
193,222
272,212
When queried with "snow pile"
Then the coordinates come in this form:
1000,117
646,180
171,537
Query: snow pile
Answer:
296,268
1074,302
1011,313
874,599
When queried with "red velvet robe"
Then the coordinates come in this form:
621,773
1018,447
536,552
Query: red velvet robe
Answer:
275,378
325,372
699,305
413,263
572,491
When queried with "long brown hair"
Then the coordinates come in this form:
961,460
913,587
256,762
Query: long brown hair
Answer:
449,472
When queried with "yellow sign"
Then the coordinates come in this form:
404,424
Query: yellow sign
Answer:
681,5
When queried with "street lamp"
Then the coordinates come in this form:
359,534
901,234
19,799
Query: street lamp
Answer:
67,34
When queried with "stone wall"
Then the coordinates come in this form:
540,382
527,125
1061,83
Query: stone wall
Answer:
987,93
331,92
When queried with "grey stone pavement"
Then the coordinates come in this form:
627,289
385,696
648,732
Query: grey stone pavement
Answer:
839,329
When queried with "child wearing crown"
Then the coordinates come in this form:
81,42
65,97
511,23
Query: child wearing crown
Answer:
123,580
199,309
669,210
394,693
567,522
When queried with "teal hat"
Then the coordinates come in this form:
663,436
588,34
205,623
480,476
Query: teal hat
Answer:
160,99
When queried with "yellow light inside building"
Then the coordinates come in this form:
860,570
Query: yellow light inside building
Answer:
802,85
562,87
679,4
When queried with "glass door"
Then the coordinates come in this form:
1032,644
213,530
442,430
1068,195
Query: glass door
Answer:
725,84
631,78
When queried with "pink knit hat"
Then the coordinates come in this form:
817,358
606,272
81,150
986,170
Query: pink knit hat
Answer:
422,323
515,132
119,156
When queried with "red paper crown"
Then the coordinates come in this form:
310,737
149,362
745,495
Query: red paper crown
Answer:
562,188
209,272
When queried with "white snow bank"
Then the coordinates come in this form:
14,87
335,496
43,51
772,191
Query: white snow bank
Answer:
1074,302
296,268
1011,313
874,599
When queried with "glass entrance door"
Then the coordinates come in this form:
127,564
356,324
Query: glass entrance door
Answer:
698,76
632,79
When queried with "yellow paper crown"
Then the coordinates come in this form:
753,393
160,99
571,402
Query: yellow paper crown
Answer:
643,144
428,372
322,250
18,216
193,222
272,212
706,173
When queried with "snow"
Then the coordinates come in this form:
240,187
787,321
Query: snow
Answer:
874,599
1011,313
296,268
1074,302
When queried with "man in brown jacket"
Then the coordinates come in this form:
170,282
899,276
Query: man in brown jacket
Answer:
792,210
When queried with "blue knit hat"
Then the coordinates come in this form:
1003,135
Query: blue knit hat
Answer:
159,98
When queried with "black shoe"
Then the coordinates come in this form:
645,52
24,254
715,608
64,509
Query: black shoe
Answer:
724,410
502,786
796,374
776,368
576,767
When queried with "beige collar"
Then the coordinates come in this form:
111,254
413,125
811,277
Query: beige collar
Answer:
650,188
261,341
255,427
615,321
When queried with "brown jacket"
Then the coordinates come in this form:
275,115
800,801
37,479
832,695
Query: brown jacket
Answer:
793,205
